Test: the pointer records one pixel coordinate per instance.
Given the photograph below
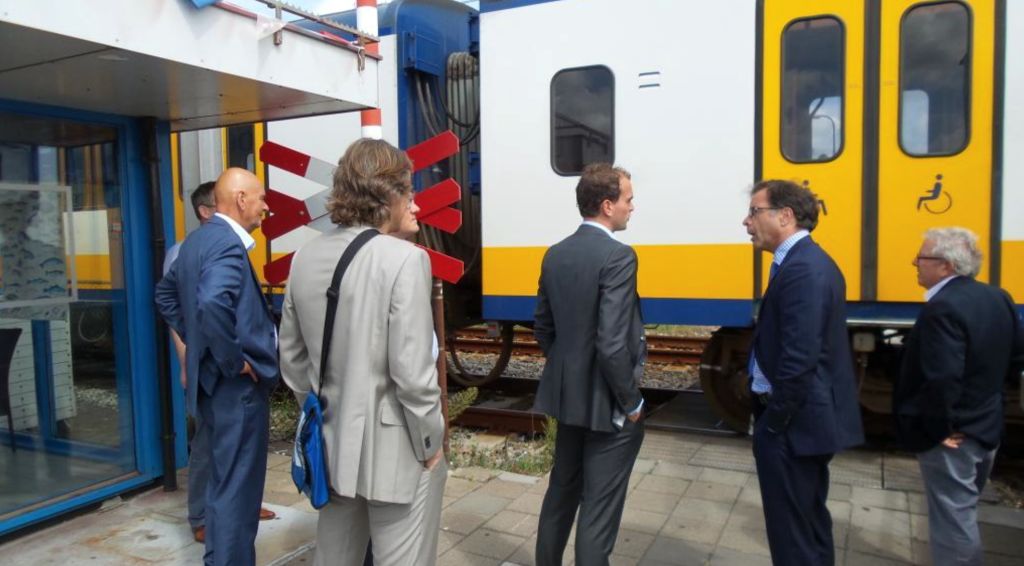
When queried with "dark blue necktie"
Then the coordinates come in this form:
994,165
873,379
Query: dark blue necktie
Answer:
772,271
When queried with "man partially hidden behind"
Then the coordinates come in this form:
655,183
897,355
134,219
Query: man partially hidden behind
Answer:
948,402
802,384
199,442
212,299
588,324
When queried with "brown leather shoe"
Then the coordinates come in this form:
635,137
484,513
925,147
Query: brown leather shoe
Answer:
266,514
199,533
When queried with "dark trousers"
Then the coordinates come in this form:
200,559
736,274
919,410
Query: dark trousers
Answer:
591,472
238,416
793,492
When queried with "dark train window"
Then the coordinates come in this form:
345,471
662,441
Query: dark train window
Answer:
812,90
935,74
240,147
582,118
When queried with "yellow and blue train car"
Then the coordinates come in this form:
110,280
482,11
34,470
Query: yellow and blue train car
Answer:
893,112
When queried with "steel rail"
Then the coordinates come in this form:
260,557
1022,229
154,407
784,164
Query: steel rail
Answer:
674,350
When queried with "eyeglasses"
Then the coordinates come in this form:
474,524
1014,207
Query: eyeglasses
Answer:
754,210
932,257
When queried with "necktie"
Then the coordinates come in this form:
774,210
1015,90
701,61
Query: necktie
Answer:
772,271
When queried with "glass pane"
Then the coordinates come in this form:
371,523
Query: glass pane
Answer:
582,118
66,396
812,90
240,147
934,79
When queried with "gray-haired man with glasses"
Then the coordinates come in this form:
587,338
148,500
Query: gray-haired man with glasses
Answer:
948,402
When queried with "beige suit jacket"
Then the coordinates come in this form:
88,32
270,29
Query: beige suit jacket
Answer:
381,400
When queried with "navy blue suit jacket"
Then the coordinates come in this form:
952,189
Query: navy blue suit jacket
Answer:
803,349
212,299
967,342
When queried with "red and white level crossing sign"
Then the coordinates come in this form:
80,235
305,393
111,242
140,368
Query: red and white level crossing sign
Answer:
288,213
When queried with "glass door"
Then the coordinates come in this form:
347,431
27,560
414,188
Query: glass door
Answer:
935,131
813,117
65,384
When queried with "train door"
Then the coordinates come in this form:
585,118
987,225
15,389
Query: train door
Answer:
813,69
936,62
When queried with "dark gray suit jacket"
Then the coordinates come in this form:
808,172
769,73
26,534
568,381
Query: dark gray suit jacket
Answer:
588,323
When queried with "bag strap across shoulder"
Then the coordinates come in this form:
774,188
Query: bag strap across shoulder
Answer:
333,291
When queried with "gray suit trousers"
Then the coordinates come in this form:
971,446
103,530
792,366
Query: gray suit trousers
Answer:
591,473
953,480
404,534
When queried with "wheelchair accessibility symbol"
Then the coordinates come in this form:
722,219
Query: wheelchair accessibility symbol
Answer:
936,200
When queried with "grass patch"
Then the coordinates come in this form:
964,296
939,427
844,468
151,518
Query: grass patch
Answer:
284,414
459,401
529,456
284,410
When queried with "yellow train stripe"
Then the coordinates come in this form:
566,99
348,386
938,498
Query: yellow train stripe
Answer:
261,252
674,272
1012,272
179,204
93,271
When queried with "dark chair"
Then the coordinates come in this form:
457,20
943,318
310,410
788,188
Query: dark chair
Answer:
8,341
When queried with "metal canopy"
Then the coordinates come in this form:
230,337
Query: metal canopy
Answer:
196,68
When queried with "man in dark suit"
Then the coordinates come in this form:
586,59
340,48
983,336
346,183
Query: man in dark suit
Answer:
212,299
948,402
588,324
802,383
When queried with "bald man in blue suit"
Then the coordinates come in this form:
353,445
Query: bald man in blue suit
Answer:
212,298
805,396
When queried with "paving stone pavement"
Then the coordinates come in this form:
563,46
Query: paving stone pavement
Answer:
696,500
692,499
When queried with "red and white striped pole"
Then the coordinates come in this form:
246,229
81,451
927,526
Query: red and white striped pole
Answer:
366,21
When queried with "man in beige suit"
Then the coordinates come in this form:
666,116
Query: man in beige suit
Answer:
383,428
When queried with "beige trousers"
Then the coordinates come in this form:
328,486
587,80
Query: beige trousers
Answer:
402,534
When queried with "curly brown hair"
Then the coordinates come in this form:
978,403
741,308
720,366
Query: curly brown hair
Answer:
369,177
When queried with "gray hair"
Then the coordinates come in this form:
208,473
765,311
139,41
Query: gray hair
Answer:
958,246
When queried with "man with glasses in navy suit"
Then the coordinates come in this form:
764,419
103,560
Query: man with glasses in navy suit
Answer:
804,394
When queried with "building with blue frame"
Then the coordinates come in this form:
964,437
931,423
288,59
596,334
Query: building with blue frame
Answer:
89,406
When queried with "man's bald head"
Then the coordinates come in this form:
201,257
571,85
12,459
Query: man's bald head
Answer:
240,196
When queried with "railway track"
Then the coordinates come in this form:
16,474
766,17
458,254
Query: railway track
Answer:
513,414
507,401
674,350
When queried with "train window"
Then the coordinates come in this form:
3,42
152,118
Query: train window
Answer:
582,118
240,147
935,42
812,90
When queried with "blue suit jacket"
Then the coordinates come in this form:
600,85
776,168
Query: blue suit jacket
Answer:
803,348
212,299
966,344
